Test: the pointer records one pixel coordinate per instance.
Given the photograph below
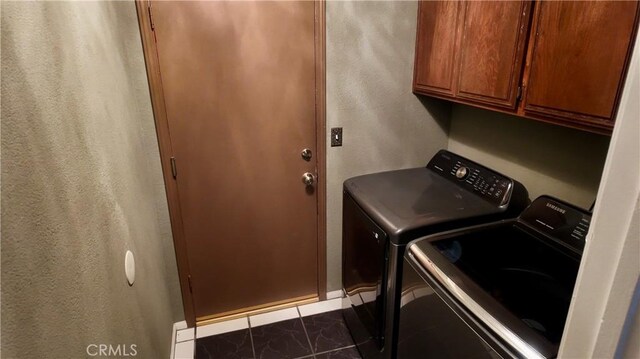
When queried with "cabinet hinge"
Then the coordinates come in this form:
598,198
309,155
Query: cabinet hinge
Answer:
519,93
189,280
174,169
153,27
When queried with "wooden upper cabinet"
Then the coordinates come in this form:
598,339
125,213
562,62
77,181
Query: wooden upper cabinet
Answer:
436,47
492,51
578,61
563,62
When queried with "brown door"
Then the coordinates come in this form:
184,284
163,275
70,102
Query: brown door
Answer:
239,83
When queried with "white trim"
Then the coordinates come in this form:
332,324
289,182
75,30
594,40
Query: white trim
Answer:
222,327
320,307
273,317
176,326
180,325
185,350
185,334
334,294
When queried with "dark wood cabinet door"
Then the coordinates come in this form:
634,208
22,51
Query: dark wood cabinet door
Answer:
578,60
434,71
492,51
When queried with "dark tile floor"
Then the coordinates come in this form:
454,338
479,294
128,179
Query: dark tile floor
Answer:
320,336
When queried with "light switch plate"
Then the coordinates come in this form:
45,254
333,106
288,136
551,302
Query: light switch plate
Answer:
336,136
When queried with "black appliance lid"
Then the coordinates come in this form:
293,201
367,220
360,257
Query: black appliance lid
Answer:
407,199
449,189
517,276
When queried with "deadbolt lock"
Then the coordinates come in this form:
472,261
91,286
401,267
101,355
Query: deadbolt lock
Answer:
306,154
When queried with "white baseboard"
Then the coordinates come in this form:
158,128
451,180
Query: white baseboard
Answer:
176,326
334,294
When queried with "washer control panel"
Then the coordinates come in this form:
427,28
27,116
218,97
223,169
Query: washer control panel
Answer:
476,178
561,221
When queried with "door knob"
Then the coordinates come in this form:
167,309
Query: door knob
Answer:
308,179
306,154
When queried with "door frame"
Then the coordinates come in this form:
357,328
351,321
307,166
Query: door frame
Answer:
145,18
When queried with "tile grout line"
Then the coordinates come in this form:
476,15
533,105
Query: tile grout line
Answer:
313,352
338,349
253,347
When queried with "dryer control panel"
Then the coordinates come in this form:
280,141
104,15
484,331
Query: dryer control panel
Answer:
472,176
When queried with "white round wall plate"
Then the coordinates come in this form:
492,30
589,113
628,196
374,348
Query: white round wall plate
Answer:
130,267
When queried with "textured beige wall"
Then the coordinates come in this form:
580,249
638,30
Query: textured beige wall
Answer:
369,70
547,159
81,184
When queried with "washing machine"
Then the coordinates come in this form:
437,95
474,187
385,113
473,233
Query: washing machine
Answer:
497,290
382,212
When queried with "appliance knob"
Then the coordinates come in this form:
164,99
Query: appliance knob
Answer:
462,173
